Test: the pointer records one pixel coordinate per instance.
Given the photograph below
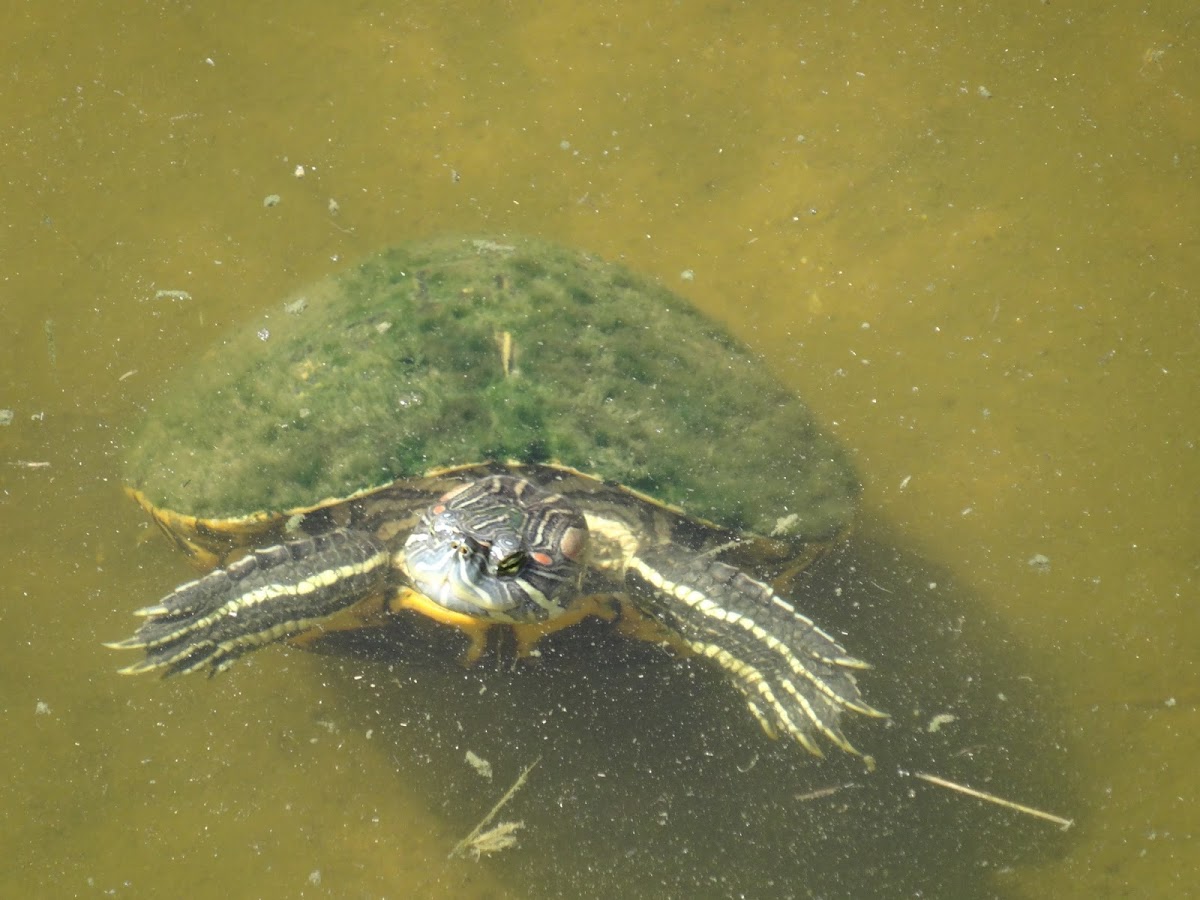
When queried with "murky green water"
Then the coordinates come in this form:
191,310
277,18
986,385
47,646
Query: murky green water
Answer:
969,239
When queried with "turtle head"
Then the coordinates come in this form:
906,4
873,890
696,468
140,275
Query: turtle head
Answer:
499,548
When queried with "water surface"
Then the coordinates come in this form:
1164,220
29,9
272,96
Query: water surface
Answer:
967,237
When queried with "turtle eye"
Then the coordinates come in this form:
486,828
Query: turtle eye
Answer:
511,564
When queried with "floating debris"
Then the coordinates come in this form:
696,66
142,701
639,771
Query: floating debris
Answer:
821,793
51,343
1039,562
504,342
480,765
1152,58
172,295
6,416
785,524
999,801
502,836
297,306
271,200
936,723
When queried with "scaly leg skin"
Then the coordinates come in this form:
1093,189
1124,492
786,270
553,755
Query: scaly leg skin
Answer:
797,680
265,597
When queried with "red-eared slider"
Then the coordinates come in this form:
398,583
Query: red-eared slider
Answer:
498,434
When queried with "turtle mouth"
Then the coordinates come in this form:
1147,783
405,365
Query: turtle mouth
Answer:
453,571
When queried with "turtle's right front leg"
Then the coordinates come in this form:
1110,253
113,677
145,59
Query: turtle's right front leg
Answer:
265,597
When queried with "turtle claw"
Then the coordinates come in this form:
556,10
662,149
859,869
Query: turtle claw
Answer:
137,668
126,644
851,662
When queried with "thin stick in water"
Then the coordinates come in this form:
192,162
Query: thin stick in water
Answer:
486,820
999,801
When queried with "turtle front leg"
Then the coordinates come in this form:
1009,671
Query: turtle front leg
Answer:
268,596
797,680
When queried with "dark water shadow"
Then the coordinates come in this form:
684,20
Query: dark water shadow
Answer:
654,780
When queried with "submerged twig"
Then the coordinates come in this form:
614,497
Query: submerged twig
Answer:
821,793
500,837
999,801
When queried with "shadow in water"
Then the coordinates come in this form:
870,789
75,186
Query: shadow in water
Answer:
654,780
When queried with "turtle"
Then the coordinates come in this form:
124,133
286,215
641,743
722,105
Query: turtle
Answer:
502,435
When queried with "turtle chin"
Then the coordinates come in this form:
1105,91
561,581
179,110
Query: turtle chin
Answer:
454,581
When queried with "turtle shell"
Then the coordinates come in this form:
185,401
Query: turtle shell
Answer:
455,351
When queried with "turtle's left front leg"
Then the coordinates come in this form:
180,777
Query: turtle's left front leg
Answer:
796,678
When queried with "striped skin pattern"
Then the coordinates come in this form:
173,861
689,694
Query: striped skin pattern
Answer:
505,545
264,597
797,680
